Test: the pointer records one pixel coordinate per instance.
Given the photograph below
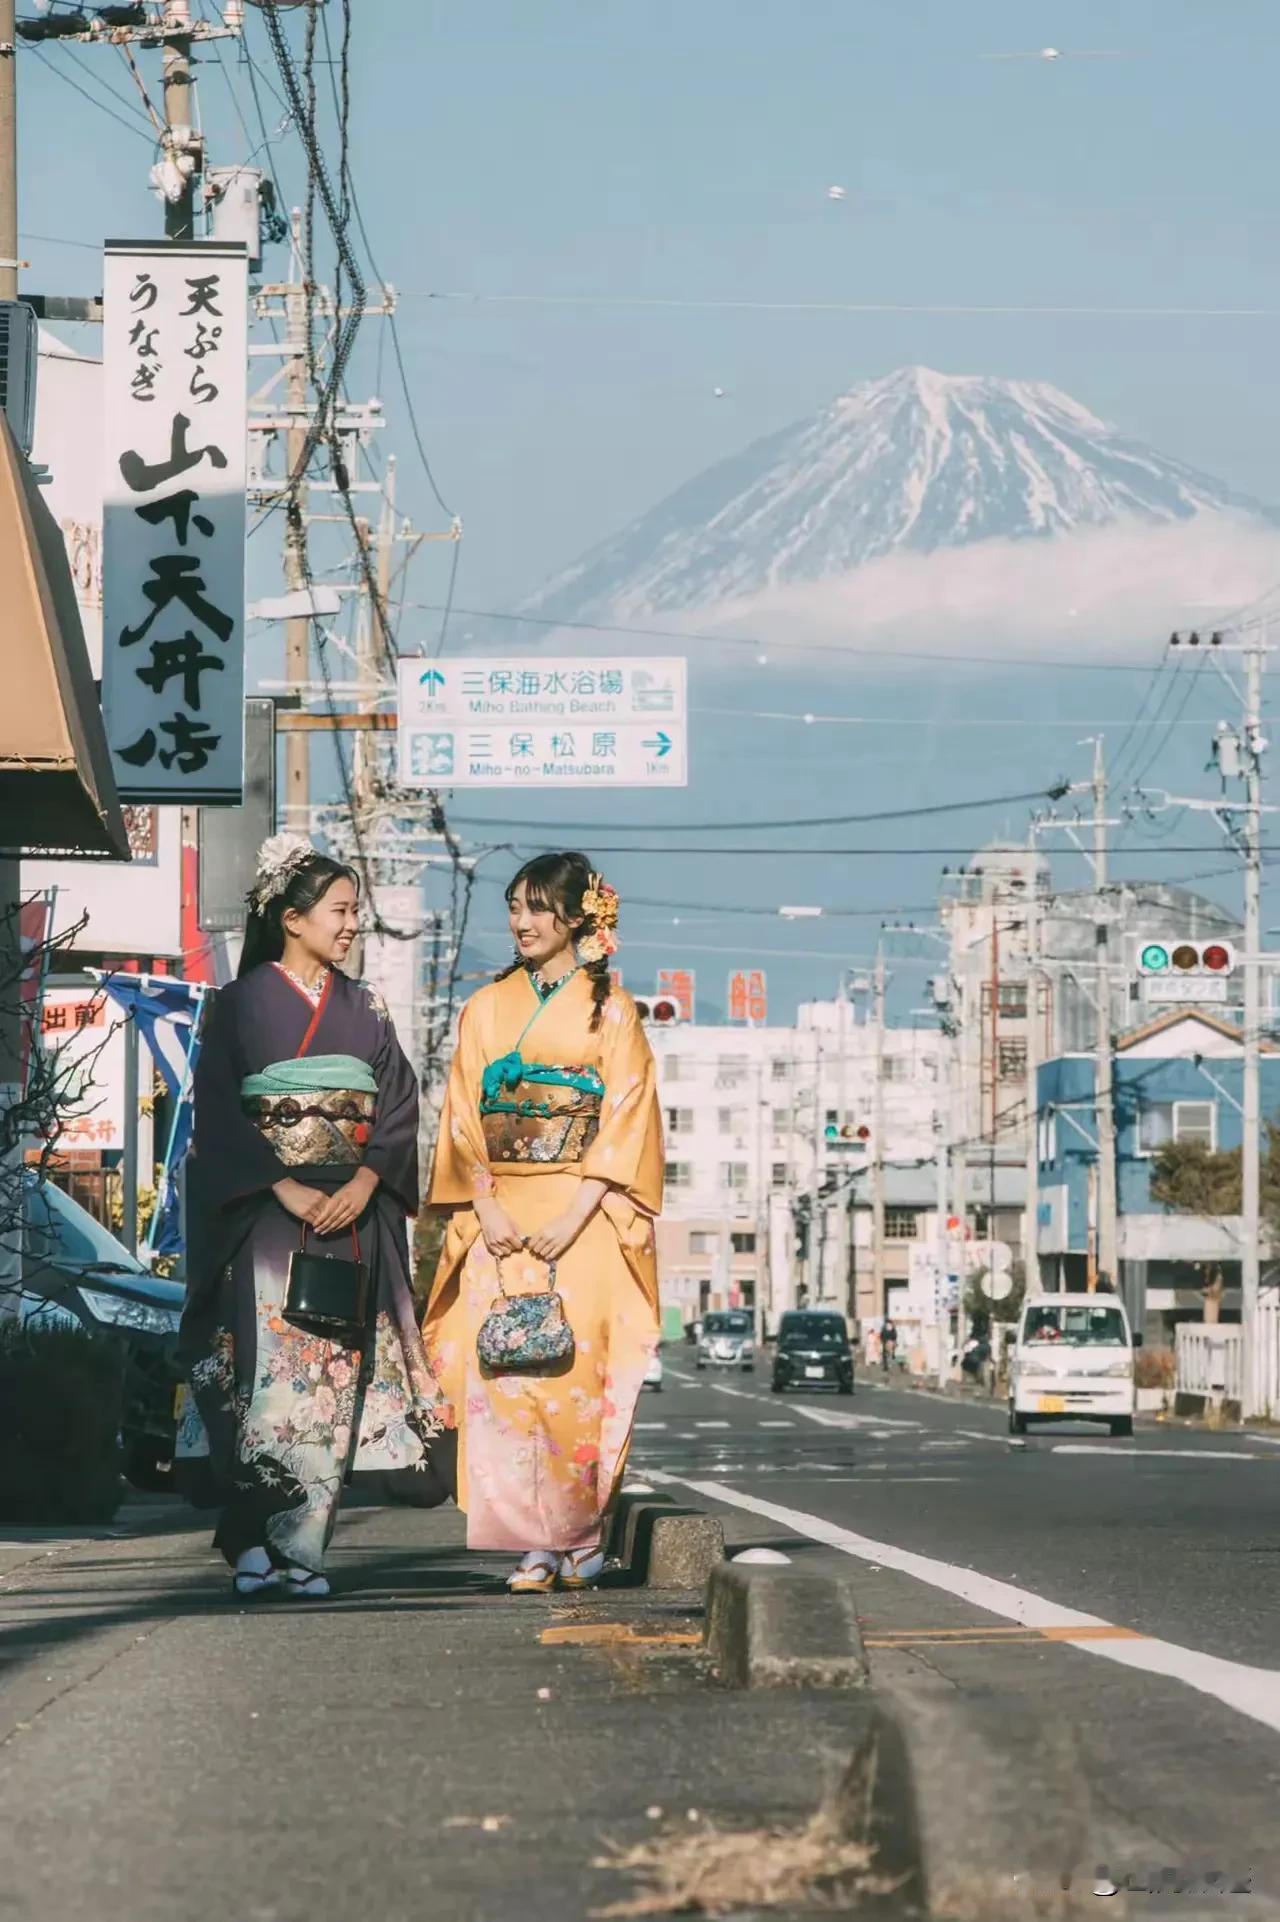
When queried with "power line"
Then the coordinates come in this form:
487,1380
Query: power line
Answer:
804,821
128,125
821,853
955,308
786,648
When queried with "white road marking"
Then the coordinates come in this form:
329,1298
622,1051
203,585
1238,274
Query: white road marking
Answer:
1254,1692
978,1434
942,1444
712,1424
743,1394
649,1425
1272,1441
840,1418
777,1424
1143,1454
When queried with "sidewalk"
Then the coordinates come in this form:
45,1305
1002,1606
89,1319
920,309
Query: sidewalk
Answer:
422,1746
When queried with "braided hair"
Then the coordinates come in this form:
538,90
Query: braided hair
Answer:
555,884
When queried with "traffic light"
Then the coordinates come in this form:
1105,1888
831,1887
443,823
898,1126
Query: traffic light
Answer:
661,1012
851,1135
1185,958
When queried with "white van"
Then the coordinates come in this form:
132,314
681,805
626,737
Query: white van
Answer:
1073,1361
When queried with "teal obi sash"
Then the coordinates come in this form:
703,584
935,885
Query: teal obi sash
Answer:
312,1074
506,1075
316,1112
560,1127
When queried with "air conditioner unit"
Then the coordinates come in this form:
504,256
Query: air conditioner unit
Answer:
19,342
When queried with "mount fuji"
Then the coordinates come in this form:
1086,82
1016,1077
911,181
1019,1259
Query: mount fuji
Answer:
980,477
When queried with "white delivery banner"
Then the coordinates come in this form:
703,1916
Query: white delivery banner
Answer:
522,721
174,438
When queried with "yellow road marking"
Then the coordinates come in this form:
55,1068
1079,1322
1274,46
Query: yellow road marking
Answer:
979,1633
584,1634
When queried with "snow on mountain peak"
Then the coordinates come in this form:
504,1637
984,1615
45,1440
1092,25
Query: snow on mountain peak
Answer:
917,462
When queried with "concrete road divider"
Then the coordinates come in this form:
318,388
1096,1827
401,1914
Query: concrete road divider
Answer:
664,1545
783,1628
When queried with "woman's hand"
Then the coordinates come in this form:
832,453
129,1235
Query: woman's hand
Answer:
501,1236
347,1203
552,1240
302,1202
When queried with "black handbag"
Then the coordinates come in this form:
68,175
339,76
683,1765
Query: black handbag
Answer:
328,1297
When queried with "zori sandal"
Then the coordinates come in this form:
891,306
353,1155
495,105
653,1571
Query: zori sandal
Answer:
582,1568
536,1574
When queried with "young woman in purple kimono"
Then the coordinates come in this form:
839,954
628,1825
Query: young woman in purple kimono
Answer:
306,1122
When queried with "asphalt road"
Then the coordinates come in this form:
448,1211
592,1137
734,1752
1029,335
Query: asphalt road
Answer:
1083,1633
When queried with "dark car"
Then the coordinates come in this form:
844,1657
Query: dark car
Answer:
75,1272
813,1351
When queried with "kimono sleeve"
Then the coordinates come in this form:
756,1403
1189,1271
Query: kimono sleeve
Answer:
461,1171
233,1159
627,1152
392,1150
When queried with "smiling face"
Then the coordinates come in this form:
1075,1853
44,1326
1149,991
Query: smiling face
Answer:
539,933
323,935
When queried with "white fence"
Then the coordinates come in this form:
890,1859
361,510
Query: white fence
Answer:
1211,1358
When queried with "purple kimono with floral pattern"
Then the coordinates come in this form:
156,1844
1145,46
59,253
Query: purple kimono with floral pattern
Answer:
268,1424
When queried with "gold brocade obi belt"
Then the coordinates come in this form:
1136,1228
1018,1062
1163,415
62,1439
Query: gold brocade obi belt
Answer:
318,1111
532,1112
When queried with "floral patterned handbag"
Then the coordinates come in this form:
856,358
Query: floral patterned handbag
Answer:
525,1334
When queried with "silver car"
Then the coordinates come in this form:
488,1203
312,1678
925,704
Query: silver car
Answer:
727,1340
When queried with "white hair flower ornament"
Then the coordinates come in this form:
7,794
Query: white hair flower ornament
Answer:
279,859
600,904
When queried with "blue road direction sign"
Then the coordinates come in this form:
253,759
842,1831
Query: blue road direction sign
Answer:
523,721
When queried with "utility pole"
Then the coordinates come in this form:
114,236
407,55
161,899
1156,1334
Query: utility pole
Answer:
877,1142
1239,753
1031,1200
1107,1265
1251,1173
183,148
297,630
8,152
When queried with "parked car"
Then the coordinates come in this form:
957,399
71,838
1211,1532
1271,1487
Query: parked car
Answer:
76,1273
813,1351
728,1340
1073,1361
653,1373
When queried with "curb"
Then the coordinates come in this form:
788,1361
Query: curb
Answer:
783,1628
665,1545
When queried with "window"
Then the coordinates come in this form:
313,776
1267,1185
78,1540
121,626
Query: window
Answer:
980,1222
702,1241
1160,1122
901,1224
679,1121
1011,1059
734,1176
743,1244
780,1069
832,1118
895,1067
679,1174
779,1174
733,1121
782,1121
1047,1137
671,1068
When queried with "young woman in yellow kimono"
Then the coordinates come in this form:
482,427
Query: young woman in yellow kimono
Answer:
550,1150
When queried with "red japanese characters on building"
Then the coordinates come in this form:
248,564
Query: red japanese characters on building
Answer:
748,996
677,984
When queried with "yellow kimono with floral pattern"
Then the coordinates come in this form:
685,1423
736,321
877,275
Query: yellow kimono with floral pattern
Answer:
536,1103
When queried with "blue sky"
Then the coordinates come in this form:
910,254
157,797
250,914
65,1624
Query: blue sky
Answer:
678,153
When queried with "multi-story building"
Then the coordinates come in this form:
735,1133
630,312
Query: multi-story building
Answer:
771,1140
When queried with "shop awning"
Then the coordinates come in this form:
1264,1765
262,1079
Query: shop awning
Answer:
57,793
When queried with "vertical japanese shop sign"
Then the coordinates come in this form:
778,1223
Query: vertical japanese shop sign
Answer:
748,996
174,436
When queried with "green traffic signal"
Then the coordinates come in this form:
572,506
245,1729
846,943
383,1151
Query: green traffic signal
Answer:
1154,959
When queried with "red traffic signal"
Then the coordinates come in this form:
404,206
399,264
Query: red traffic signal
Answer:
662,1011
